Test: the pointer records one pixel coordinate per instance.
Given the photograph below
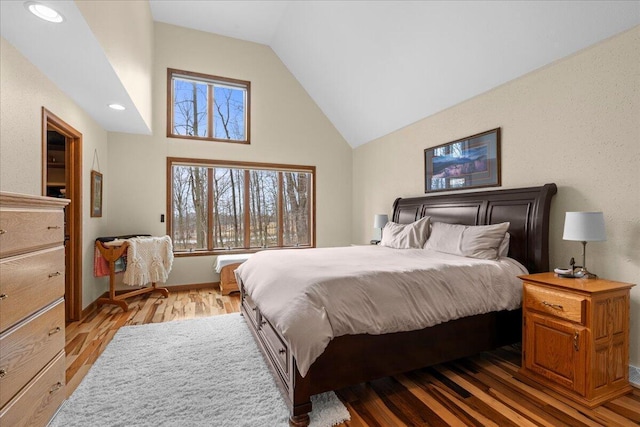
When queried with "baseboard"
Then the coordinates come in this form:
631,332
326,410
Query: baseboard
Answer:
90,308
634,375
176,288
173,288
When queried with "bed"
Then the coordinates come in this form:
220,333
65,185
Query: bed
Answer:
354,358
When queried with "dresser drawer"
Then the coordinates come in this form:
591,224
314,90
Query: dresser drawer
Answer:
30,282
26,230
28,347
278,348
564,305
39,400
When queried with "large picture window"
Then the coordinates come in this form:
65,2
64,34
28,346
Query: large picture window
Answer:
220,206
201,106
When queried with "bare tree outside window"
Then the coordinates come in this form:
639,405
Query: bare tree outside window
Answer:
229,113
264,209
219,207
190,108
189,207
207,107
296,204
228,208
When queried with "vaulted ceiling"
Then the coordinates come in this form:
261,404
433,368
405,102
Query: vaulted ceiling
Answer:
371,66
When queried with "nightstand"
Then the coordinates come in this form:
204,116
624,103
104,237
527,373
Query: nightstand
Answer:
575,336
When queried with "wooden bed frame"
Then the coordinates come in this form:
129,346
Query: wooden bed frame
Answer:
352,359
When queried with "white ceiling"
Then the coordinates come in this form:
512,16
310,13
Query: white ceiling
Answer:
371,66
71,56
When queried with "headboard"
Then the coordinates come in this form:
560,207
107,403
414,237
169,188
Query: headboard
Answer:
527,209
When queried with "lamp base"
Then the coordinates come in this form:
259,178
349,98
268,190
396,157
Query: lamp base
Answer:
584,274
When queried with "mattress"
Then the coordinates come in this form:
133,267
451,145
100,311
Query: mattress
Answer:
314,295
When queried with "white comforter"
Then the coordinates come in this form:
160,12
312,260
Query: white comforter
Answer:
313,295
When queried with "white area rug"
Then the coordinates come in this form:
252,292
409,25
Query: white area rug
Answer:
199,372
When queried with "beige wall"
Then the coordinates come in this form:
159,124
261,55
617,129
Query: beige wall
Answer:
286,127
125,32
575,123
24,90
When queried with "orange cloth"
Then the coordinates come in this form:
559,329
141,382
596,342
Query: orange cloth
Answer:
101,266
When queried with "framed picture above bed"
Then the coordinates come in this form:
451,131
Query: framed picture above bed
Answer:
469,162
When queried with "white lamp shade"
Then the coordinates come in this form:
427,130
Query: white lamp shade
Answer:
380,220
584,227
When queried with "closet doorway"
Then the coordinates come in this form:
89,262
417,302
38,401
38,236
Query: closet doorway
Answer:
62,177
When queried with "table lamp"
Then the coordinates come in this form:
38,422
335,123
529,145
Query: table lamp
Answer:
584,227
379,221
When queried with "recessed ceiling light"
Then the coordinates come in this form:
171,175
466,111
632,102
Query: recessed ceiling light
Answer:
44,12
116,107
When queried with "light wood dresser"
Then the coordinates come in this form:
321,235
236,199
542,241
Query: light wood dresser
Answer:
575,337
32,315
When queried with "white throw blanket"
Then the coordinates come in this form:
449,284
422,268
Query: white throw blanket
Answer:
314,295
149,260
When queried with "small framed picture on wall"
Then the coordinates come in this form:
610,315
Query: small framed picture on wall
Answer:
469,162
96,194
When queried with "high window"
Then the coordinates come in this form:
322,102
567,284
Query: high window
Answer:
206,107
221,206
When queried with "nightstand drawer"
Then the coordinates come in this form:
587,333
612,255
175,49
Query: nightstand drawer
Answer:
567,306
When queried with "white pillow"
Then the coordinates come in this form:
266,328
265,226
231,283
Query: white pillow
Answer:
475,241
503,250
405,236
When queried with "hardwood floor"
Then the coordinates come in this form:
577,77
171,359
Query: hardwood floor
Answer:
476,391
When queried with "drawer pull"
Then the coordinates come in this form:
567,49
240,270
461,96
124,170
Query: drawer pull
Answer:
282,351
556,306
53,227
576,343
3,296
3,373
54,330
57,386
57,273
2,231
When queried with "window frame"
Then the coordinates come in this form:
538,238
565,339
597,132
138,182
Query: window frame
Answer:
206,78
246,166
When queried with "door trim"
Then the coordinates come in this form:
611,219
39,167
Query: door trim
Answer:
73,150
